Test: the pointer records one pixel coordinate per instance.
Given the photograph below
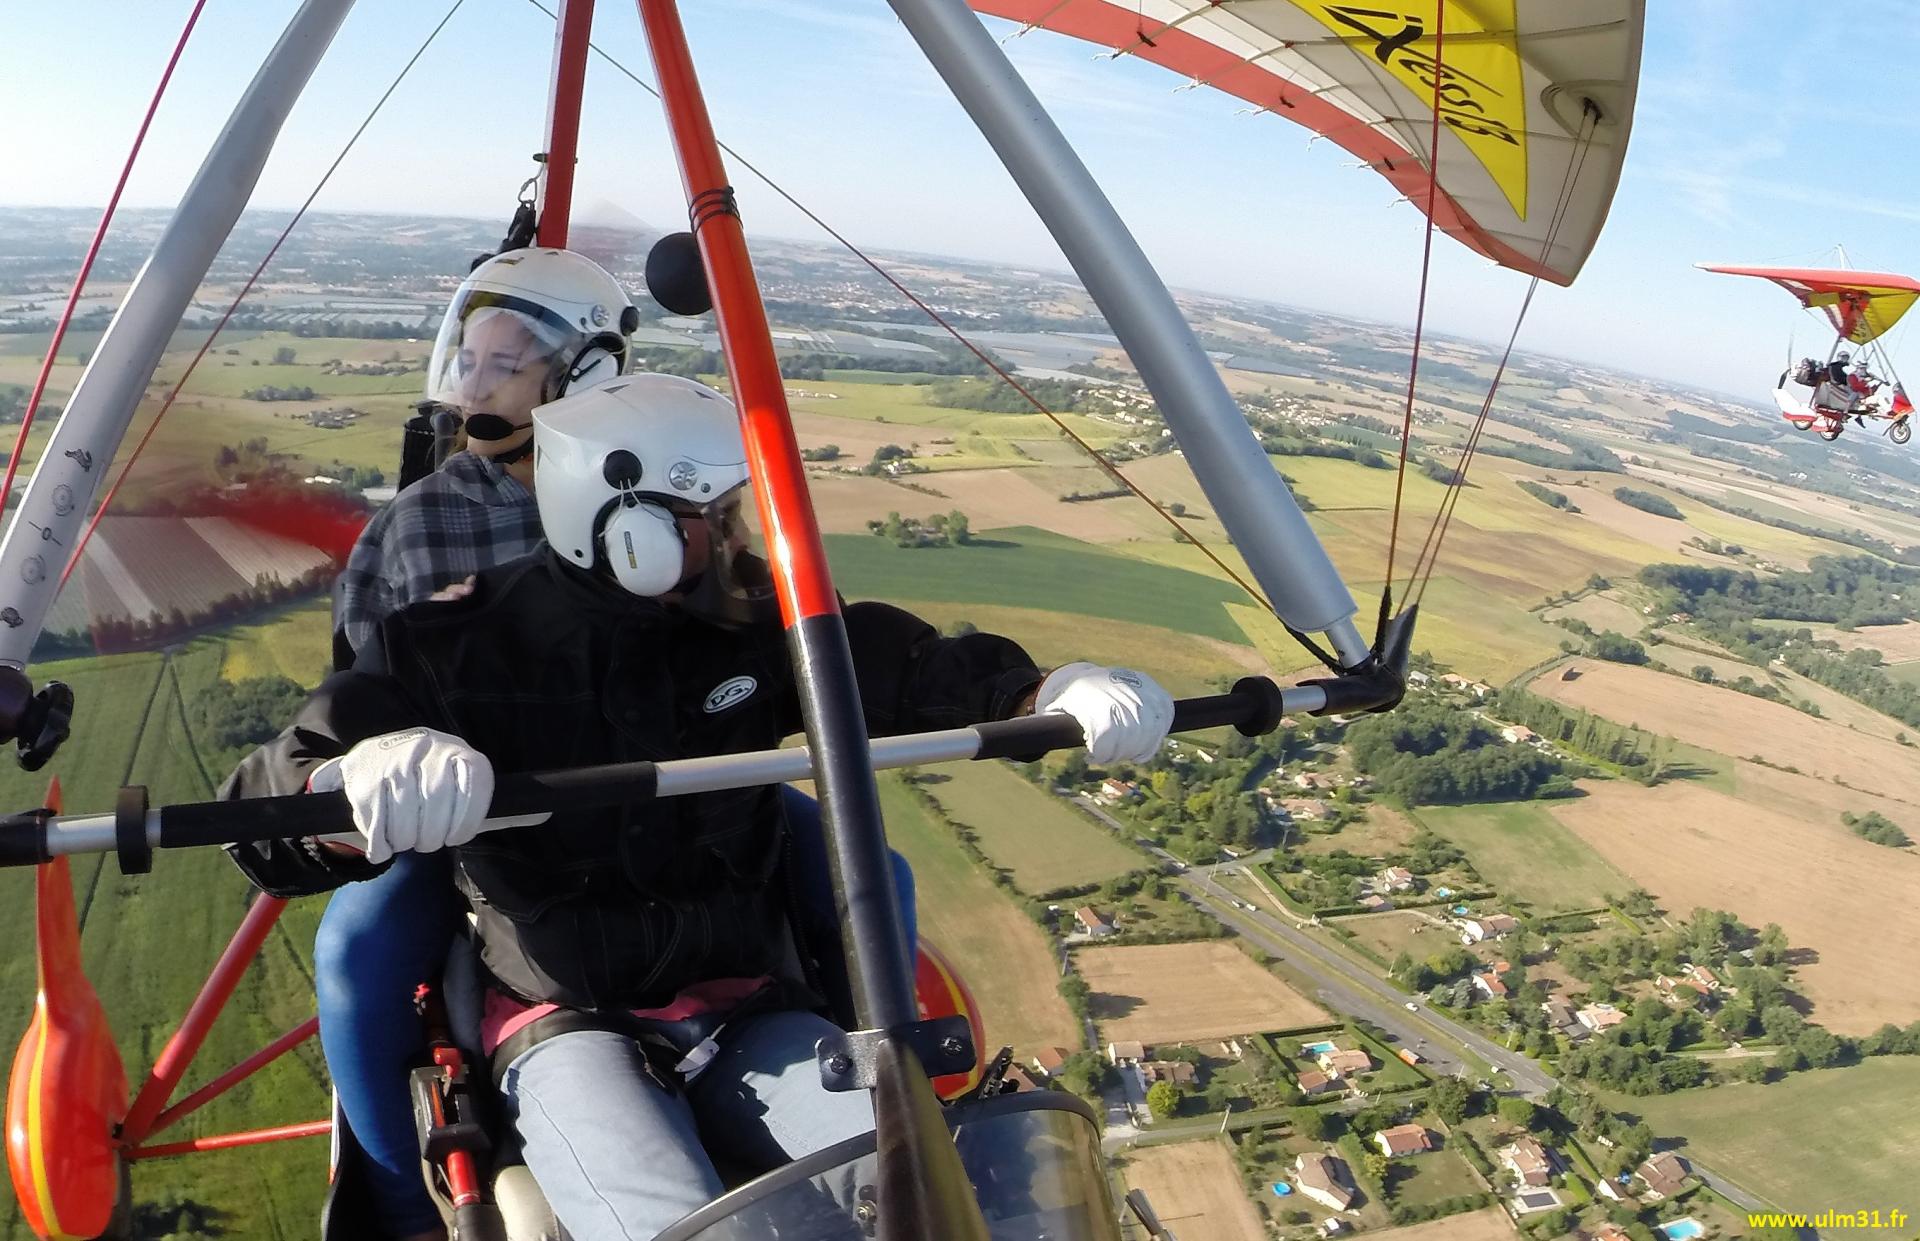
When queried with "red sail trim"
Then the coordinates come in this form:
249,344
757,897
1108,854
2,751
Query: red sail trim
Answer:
1108,24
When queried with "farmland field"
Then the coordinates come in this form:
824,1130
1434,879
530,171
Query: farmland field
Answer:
1490,1224
1045,843
1005,959
1176,993
1195,1190
1390,934
1433,1177
1695,847
1738,725
1842,1139
1527,856
1384,830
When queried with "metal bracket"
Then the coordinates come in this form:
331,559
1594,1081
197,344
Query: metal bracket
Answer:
943,1044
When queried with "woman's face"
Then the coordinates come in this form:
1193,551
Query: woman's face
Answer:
500,369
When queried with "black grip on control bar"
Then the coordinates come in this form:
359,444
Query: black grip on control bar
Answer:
1253,707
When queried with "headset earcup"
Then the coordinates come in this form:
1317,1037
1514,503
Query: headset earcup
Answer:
644,548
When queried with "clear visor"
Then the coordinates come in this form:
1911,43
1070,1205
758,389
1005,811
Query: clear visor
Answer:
727,578
494,354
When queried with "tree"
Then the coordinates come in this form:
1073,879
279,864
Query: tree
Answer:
1451,1098
1075,991
1516,1112
1311,1123
957,529
1163,1099
1376,1165
283,356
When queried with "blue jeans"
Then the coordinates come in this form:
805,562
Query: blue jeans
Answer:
621,1158
381,939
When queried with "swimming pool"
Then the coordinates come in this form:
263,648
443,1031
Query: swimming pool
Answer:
1460,909
1321,1048
1682,1229
1282,1190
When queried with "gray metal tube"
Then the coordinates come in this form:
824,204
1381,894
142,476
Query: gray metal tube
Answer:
1254,504
67,478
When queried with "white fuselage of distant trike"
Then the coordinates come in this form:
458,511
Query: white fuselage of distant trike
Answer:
1825,407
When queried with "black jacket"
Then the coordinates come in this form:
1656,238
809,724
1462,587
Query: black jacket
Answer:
543,668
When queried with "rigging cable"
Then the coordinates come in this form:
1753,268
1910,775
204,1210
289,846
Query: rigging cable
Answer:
173,393
985,358
1419,324
1443,517
93,252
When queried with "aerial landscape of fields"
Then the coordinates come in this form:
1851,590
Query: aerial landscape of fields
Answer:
1627,876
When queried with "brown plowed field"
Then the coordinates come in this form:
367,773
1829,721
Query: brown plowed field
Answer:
1490,1224
1184,993
1842,898
1195,1191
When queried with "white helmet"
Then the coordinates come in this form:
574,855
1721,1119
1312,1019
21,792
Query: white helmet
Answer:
630,475
527,327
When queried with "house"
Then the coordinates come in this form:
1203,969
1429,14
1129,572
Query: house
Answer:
1375,904
1325,1179
1492,926
1664,1175
1610,1232
1092,921
1125,1053
1298,808
1489,985
1454,680
1346,1063
1600,1017
1612,1190
1559,1014
1480,689
1529,1160
1050,1060
1112,791
1016,1079
1704,977
1333,1226
1179,1072
1314,781
1519,734
1394,879
1313,1082
1417,677
1404,1140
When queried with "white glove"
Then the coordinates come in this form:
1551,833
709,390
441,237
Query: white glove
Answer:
419,789
1124,714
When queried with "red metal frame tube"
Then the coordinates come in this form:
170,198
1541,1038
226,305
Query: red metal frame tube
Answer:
878,961
237,1074
227,1141
177,1056
573,24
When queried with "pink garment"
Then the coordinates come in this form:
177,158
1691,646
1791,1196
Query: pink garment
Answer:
503,1016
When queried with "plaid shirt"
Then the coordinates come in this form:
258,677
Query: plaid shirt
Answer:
468,515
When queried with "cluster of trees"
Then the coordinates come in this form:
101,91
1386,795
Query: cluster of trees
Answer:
1580,455
1843,534
232,717
1429,752
1548,496
1636,752
891,458
272,392
1847,591
1290,446
1059,395
1877,828
939,530
826,452
1636,1056
686,363
1605,644
1106,493
344,329
1189,805
1647,502
13,405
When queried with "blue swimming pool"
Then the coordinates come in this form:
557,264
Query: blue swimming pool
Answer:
1682,1229
1460,909
1281,1189
1320,1048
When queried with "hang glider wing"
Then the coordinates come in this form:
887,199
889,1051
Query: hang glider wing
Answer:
1860,304
1536,96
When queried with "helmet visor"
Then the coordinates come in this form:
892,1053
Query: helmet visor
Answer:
729,582
494,354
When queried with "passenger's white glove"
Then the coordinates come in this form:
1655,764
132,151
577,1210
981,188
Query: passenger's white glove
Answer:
419,789
1124,714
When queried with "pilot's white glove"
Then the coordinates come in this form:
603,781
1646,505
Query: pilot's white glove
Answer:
418,789
1124,714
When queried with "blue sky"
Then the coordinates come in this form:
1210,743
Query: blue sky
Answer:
1748,146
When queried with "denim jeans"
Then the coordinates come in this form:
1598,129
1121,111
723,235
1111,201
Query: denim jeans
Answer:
621,1157
380,939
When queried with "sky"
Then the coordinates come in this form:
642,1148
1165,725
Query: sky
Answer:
1756,139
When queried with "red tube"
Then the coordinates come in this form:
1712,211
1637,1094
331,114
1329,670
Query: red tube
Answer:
177,1056
573,24
227,1141
237,1074
794,550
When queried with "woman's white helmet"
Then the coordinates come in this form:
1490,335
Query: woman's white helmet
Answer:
631,475
527,327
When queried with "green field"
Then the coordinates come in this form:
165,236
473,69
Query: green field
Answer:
1016,568
148,941
1526,854
1045,843
297,644
1007,963
1422,1180
1840,1139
